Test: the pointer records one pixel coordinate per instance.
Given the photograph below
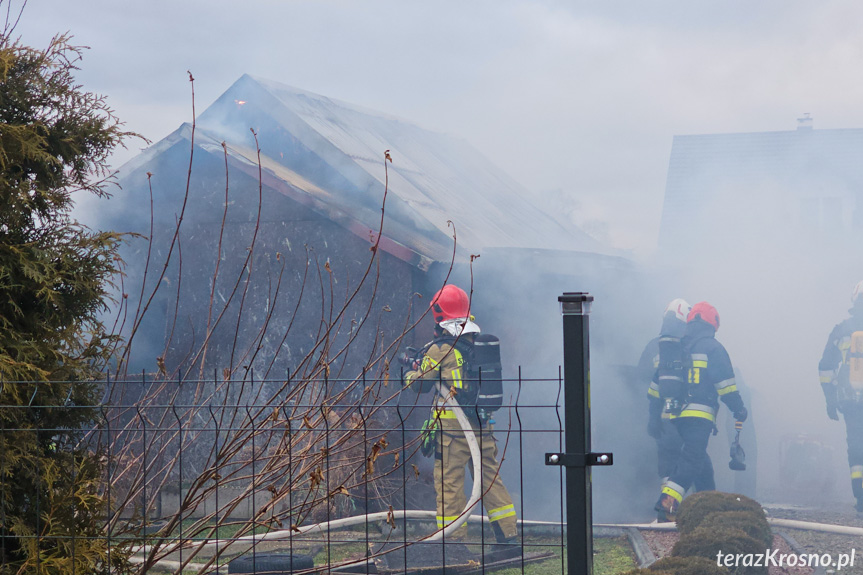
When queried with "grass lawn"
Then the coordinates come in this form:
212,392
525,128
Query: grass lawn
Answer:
612,556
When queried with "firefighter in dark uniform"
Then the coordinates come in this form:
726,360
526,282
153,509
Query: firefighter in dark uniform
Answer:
841,374
443,362
709,378
659,425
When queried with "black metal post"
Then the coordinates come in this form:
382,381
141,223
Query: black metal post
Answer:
576,388
578,458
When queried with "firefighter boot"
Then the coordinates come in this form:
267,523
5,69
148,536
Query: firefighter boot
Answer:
666,508
857,486
506,549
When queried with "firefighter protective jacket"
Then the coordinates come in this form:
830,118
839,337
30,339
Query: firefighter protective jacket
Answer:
836,352
442,362
647,364
710,376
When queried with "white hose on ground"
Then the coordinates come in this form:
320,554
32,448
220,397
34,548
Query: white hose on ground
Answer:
647,526
476,493
788,523
812,526
321,528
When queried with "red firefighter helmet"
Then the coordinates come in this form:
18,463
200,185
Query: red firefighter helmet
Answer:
704,311
450,302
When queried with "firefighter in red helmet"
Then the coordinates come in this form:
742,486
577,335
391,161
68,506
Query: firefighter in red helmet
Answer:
709,377
660,366
446,360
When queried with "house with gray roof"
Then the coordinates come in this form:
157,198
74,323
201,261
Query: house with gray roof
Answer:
802,184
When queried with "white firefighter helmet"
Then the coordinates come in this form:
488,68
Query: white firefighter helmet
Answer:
680,308
459,326
858,289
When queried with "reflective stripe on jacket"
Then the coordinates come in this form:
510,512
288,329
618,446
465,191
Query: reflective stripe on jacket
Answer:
710,376
444,363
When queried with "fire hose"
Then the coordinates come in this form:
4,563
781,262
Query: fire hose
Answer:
787,523
476,457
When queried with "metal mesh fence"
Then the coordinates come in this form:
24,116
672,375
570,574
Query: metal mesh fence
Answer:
236,476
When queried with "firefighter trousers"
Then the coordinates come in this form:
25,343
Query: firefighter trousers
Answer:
668,446
451,457
693,465
852,413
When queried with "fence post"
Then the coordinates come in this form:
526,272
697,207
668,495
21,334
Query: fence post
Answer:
578,458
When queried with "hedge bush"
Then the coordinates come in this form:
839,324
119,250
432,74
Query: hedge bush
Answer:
708,542
699,506
753,523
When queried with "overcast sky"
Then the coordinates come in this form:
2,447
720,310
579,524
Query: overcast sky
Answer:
573,99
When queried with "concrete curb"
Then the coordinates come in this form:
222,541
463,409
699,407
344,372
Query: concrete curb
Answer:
643,553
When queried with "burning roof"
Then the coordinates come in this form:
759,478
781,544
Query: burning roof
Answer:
328,155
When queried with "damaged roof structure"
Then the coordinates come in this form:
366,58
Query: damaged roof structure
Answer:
328,155
322,181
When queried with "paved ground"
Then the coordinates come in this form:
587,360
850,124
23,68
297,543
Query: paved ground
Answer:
817,542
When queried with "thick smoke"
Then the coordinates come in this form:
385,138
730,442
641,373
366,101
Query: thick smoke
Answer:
515,298
780,278
778,262
780,283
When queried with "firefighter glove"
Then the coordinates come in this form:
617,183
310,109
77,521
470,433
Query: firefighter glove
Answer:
428,436
409,358
654,427
831,395
741,414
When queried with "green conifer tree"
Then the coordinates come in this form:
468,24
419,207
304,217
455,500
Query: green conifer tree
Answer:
55,280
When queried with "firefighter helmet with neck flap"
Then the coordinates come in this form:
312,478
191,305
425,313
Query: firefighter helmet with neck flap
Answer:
705,312
450,308
450,302
679,308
